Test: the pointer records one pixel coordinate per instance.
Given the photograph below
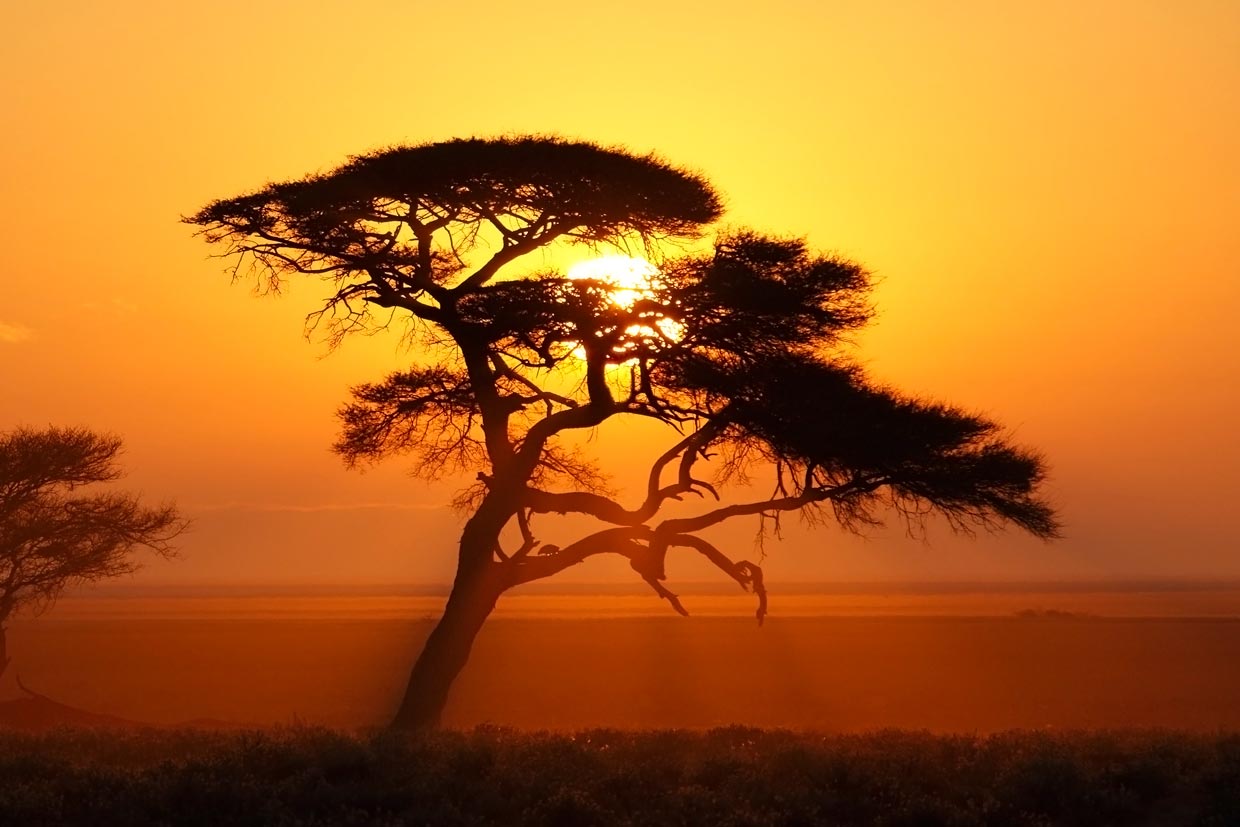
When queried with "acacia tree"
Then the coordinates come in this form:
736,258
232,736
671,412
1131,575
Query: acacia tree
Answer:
738,351
51,536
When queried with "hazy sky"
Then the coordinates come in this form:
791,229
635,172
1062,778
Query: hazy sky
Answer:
1049,193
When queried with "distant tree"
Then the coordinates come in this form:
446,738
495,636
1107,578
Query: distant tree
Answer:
738,351
52,536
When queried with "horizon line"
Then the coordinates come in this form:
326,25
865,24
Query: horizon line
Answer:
442,588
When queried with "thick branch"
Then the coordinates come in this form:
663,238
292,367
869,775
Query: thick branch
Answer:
646,554
609,511
389,296
538,394
608,541
495,411
594,412
790,503
745,573
509,252
583,502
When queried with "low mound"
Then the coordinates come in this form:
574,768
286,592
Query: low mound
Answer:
38,713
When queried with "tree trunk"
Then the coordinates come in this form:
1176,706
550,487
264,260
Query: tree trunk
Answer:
447,649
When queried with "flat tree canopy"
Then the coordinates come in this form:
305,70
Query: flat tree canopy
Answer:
741,352
52,535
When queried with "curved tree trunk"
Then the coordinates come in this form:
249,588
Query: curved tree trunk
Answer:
447,649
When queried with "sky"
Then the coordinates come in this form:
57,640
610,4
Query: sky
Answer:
1048,194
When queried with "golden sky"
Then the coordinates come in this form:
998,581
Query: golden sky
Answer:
1048,192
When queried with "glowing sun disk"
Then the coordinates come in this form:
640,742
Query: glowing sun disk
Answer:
631,277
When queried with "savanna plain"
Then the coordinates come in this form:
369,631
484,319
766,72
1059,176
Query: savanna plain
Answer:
860,705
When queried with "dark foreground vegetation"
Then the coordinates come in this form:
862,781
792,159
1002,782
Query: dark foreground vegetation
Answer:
724,777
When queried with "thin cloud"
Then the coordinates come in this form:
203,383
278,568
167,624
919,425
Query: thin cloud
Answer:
12,334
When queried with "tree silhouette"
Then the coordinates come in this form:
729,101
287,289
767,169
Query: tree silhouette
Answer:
738,351
51,536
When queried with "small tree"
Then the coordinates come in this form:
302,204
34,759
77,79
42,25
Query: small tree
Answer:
51,536
737,351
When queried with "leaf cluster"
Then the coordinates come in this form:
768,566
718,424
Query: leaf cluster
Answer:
828,428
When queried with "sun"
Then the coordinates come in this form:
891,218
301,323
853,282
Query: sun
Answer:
630,277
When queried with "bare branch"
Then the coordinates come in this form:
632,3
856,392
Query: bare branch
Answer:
747,574
790,503
552,560
509,252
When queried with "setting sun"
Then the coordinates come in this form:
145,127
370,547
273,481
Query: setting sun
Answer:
633,278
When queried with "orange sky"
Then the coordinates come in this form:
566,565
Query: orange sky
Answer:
1049,195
